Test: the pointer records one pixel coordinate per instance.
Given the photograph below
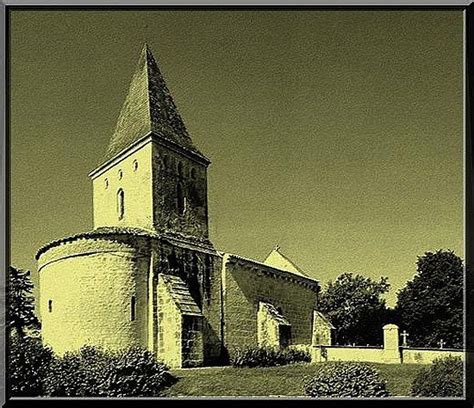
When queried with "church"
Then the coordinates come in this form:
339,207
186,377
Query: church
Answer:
147,274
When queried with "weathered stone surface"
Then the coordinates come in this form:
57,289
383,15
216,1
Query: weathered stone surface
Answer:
246,283
322,328
272,327
148,274
90,284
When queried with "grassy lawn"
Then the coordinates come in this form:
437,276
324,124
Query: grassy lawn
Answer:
273,381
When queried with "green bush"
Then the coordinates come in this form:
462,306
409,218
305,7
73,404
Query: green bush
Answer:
137,373
345,379
78,374
443,378
29,361
267,356
94,372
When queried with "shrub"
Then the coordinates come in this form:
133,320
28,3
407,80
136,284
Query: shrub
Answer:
345,379
78,374
267,356
443,378
29,361
96,372
293,355
137,373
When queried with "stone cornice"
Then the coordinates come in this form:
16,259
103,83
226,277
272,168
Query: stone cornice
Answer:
104,232
97,233
150,137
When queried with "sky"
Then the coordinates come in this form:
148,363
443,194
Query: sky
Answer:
336,134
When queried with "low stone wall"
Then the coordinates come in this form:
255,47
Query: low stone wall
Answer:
321,354
426,356
335,353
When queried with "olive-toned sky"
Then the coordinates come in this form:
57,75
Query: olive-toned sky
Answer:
337,134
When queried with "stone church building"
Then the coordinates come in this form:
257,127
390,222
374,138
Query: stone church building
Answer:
147,275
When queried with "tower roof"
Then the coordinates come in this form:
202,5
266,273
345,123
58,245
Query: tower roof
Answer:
278,260
149,108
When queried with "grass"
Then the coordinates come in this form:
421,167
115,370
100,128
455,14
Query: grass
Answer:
273,381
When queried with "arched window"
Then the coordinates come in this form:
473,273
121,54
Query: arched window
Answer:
193,174
120,203
50,305
106,183
132,308
135,165
181,200
180,169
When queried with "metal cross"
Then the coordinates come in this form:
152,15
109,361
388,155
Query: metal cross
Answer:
441,343
404,335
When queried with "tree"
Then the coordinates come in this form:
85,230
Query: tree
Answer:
354,306
431,305
21,308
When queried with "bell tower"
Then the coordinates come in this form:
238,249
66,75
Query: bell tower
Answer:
152,177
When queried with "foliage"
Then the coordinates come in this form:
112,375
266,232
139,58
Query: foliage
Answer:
137,373
78,374
29,361
353,304
21,309
267,357
94,372
345,379
431,305
443,378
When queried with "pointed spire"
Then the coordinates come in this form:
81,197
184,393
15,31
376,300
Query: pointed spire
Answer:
149,108
280,261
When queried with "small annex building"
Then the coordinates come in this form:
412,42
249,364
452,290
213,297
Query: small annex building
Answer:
147,274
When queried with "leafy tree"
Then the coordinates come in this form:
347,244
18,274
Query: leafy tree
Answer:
354,306
431,305
21,308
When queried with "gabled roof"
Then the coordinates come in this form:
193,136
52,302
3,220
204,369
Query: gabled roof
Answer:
275,314
269,269
324,319
149,108
180,294
280,261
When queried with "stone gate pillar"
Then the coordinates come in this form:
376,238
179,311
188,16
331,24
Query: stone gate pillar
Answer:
391,347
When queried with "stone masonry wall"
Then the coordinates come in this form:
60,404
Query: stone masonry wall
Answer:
169,328
268,329
322,331
90,284
201,270
192,341
132,174
245,286
169,170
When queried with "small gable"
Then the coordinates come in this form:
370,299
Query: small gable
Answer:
277,260
179,292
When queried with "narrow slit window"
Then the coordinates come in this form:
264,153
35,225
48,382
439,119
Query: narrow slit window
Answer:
132,308
181,200
50,306
120,204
